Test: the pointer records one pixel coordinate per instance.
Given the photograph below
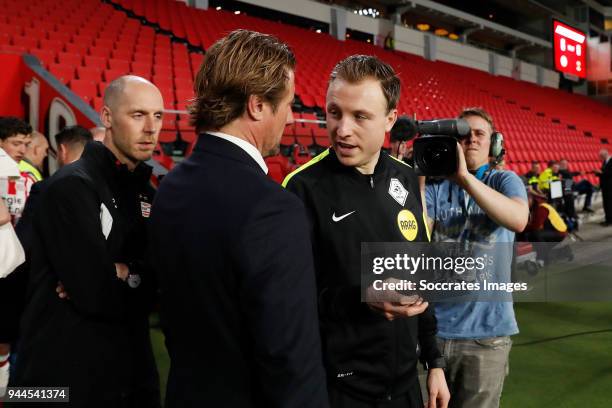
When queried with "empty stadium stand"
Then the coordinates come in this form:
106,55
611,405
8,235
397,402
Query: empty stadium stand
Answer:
87,43
539,123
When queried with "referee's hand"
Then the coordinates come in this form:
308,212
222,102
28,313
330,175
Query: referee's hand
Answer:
394,305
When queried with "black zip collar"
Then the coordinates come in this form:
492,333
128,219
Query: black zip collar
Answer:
355,174
111,168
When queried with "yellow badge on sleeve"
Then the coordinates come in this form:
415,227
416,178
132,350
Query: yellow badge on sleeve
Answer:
407,223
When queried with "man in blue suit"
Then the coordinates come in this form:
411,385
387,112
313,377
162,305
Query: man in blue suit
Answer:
232,248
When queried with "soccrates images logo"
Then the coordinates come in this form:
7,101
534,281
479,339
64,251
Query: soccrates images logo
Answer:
570,49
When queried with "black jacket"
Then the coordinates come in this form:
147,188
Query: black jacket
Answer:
365,354
238,299
605,178
97,342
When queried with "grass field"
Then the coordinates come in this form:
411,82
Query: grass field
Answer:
552,363
573,371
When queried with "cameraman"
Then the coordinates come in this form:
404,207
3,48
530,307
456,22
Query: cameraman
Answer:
477,204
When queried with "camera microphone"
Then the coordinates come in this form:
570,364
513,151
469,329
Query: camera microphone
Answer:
452,127
406,128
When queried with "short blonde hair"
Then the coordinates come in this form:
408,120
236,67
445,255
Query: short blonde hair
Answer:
481,113
356,68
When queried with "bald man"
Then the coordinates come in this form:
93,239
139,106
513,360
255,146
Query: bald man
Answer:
36,151
89,234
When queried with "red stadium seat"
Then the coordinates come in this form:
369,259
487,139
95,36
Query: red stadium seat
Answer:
83,39
79,48
167,135
143,55
163,82
122,54
46,57
112,74
85,89
92,61
97,103
64,73
69,59
275,172
117,44
162,70
142,67
104,43
184,83
102,87
51,45
5,38
62,37
25,41
103,52
116,64
93,74
188,136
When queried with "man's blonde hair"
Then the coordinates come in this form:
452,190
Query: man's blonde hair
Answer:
242,64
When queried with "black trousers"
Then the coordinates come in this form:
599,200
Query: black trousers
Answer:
606,192
340,399
12,302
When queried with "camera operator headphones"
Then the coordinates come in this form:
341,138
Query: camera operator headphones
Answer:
496,150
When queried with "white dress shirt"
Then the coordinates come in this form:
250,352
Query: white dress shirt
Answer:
244,145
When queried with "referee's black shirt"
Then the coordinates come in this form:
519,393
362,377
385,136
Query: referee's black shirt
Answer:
365,354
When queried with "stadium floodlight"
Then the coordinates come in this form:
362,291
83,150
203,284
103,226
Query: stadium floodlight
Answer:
570,47
368,12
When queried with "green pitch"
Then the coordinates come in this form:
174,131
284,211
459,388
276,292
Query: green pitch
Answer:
568,370
561,359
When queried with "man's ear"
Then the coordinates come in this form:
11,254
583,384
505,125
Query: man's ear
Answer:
105,116
255,107
390,120
62,152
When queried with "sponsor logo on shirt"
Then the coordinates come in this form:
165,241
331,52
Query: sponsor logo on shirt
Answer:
407,224
145,208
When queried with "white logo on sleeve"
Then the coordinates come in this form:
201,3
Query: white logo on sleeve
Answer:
106,219
397,191
341,217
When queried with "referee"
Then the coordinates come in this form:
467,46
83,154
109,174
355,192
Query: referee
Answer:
354,193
